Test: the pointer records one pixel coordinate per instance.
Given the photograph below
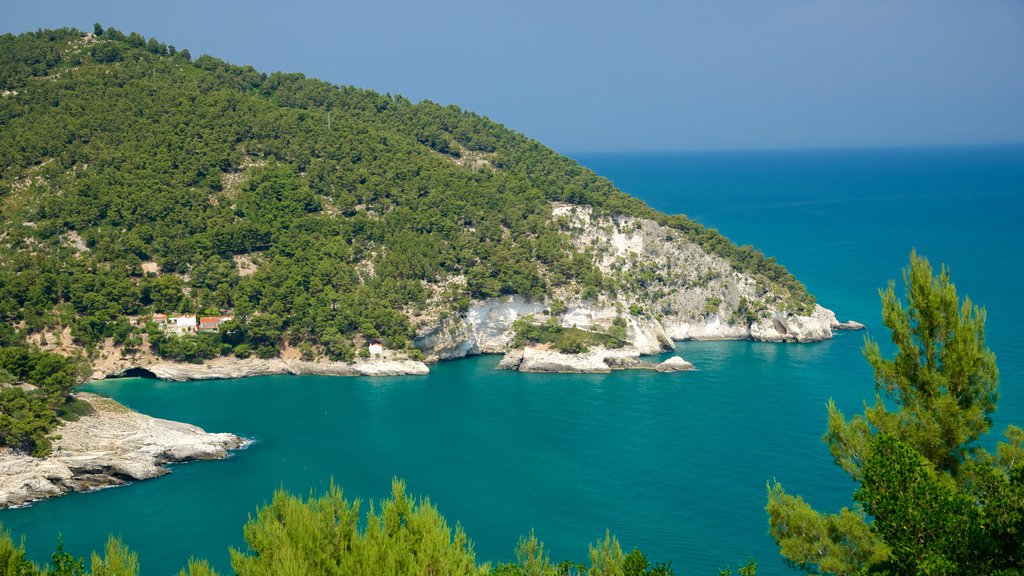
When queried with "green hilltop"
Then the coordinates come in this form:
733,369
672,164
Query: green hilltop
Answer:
136,179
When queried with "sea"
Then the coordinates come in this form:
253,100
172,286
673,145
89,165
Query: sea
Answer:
675,465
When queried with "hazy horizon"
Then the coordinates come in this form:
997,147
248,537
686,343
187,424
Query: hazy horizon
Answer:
586,77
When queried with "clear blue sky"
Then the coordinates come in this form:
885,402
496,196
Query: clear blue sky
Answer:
644,75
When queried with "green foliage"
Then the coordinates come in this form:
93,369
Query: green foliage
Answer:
188,347
942,379
12,558
636,564
934,526
63,563
28,416
197,568
25,421
748,569
322,535
748,311
117,560
711,305
74,408
557,307
566,340
606,558
813,542
531,560
933,501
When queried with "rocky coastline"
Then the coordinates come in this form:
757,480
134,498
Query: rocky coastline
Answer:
487,329
597,360
111,447
232,367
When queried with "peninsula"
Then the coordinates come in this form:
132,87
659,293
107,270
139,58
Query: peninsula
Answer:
109,447
287,225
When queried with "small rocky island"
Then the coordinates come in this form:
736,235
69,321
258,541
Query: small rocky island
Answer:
110,447
598,360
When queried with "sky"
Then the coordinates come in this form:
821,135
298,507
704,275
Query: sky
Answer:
643,75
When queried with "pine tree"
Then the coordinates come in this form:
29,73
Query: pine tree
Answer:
942,381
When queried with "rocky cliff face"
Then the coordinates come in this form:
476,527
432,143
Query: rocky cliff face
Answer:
111,447
671,289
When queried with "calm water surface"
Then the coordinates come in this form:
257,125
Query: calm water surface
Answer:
675,464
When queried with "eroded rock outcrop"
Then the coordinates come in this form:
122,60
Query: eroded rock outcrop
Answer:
595,361
674,364
111,447
670,290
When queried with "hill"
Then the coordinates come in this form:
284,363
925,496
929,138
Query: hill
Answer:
135,180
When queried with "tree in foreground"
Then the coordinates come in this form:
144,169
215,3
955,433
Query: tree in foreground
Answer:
322,536
931,501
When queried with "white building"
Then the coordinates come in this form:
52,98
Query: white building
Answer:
182,324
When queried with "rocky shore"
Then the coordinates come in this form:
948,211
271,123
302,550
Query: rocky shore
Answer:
688,294
110,447
597,360
231,367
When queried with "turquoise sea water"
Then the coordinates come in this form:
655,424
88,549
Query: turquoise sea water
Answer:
674,464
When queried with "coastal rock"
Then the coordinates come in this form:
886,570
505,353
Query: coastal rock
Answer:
594,361
710,328
794,328
848,325
370,367
675,364
686,294
511,360
111,447
485,328
222,367
231,367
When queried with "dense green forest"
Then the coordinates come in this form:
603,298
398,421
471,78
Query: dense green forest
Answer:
35,390
136,179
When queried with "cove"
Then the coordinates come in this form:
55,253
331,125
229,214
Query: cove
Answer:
674,464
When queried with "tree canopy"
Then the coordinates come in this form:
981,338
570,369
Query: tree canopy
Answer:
930,499
325,535
134,179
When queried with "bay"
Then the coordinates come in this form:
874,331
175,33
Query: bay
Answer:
674,464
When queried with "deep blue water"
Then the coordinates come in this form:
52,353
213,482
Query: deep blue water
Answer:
675,464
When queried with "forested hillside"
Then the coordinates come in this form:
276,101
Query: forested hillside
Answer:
136,179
